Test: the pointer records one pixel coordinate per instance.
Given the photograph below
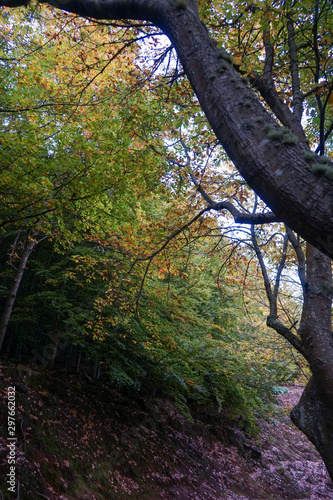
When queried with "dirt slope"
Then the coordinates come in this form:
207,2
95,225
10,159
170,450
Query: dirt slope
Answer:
287,452
82,439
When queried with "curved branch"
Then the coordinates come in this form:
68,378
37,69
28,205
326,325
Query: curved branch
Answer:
282,330
239,217
175,233
326,136
272,320
244,218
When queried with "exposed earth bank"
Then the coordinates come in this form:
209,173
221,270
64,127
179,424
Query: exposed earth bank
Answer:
82,439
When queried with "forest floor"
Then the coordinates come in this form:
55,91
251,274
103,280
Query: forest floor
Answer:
80,439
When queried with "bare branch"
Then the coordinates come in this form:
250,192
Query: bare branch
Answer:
267,283
299,254
281,266
239,217
244,218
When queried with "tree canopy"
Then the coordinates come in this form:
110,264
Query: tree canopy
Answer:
268,146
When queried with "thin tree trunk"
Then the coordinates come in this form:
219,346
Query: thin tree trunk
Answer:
78,361
69,350
30,244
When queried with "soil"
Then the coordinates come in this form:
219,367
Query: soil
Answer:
285,448
81,439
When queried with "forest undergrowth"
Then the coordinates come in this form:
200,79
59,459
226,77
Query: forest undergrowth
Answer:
80,438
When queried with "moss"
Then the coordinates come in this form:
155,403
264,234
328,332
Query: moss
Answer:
325,289
309,155
290,139
275,134
247,125
258,119
326,160
319,165
222,66
282,135
212,77
223,54
45,438
323,169
182,4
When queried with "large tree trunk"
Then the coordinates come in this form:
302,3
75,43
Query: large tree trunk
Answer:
313,415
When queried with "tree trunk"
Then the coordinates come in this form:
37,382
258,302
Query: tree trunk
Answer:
29,246
313,415
315,420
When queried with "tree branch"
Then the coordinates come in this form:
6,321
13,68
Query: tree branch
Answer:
299,254
272,319
295,341
244,218
296,85
281,267
279,108
239,217
267,283
269,59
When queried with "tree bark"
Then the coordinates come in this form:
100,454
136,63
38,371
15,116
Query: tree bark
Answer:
315,420
313,415
316,322
275,168
30,244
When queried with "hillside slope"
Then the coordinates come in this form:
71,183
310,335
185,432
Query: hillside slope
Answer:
82,439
